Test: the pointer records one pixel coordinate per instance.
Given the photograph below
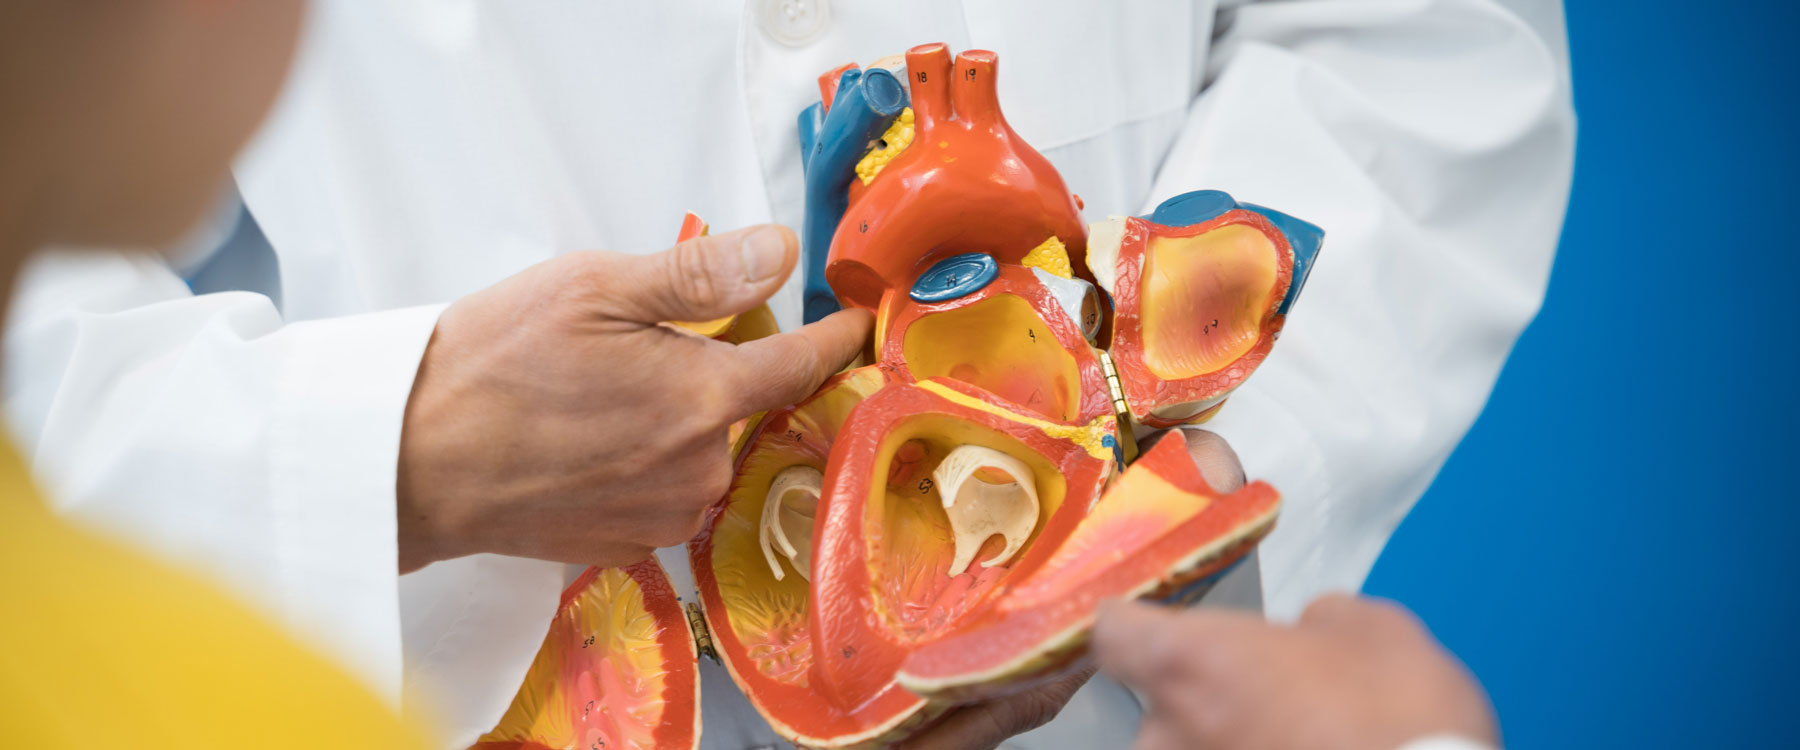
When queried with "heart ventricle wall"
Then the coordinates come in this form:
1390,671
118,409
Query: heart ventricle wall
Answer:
757,605
916,591
1204,299
999,344
616,670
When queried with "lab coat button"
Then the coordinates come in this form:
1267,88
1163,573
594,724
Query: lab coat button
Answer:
795,23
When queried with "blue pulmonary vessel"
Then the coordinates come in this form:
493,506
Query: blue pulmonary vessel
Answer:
831,143
1201,206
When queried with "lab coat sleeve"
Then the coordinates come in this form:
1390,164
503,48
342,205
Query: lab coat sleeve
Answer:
258,453
1433,140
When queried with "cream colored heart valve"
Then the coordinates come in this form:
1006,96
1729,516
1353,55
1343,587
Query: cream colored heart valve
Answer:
986,492
787,519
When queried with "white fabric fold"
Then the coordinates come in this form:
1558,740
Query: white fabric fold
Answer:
260,454
1434,142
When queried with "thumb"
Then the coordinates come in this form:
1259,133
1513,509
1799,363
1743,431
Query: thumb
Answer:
1150,647
703,278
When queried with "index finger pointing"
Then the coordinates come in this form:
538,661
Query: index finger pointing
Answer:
1132,640
1144,646
779,370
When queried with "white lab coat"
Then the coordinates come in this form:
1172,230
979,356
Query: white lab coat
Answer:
424,150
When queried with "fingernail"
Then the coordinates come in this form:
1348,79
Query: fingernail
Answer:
763,251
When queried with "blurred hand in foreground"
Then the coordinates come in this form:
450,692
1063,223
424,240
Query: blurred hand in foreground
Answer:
1355,673
555,416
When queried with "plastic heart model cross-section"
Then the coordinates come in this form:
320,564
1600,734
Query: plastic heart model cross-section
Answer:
865,652
939,526
1200,290
616,671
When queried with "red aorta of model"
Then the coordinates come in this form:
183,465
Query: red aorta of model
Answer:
967,183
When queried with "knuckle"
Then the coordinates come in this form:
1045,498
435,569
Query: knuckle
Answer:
702,389
676,528
996,723
584,269
644,455
671,536
702,476
582,281
795,366
675,535
714,480
691,276
718,402
1042,706
695,523
1038,713
631,555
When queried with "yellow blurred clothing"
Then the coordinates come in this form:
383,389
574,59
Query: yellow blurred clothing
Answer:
103,647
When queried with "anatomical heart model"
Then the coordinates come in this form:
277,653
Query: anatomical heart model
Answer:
938,527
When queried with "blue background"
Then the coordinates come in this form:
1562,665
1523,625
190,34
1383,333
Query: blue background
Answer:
1612,549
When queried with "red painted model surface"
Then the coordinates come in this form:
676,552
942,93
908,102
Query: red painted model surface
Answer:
1054,601
834,583
968,183
1050,370
617,670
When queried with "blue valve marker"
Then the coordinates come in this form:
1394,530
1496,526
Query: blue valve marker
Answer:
954,277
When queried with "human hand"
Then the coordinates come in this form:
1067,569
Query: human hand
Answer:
554,416
986,725
1355,673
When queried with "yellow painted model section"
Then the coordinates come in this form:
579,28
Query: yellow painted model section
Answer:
769,616
899,135
753,325
1139,508
1000,345
1203,299
624,678
1051,256
1091,436
912,544
735,329
708,328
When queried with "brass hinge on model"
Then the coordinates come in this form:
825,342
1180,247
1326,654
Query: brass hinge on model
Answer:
703,642
1127,427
